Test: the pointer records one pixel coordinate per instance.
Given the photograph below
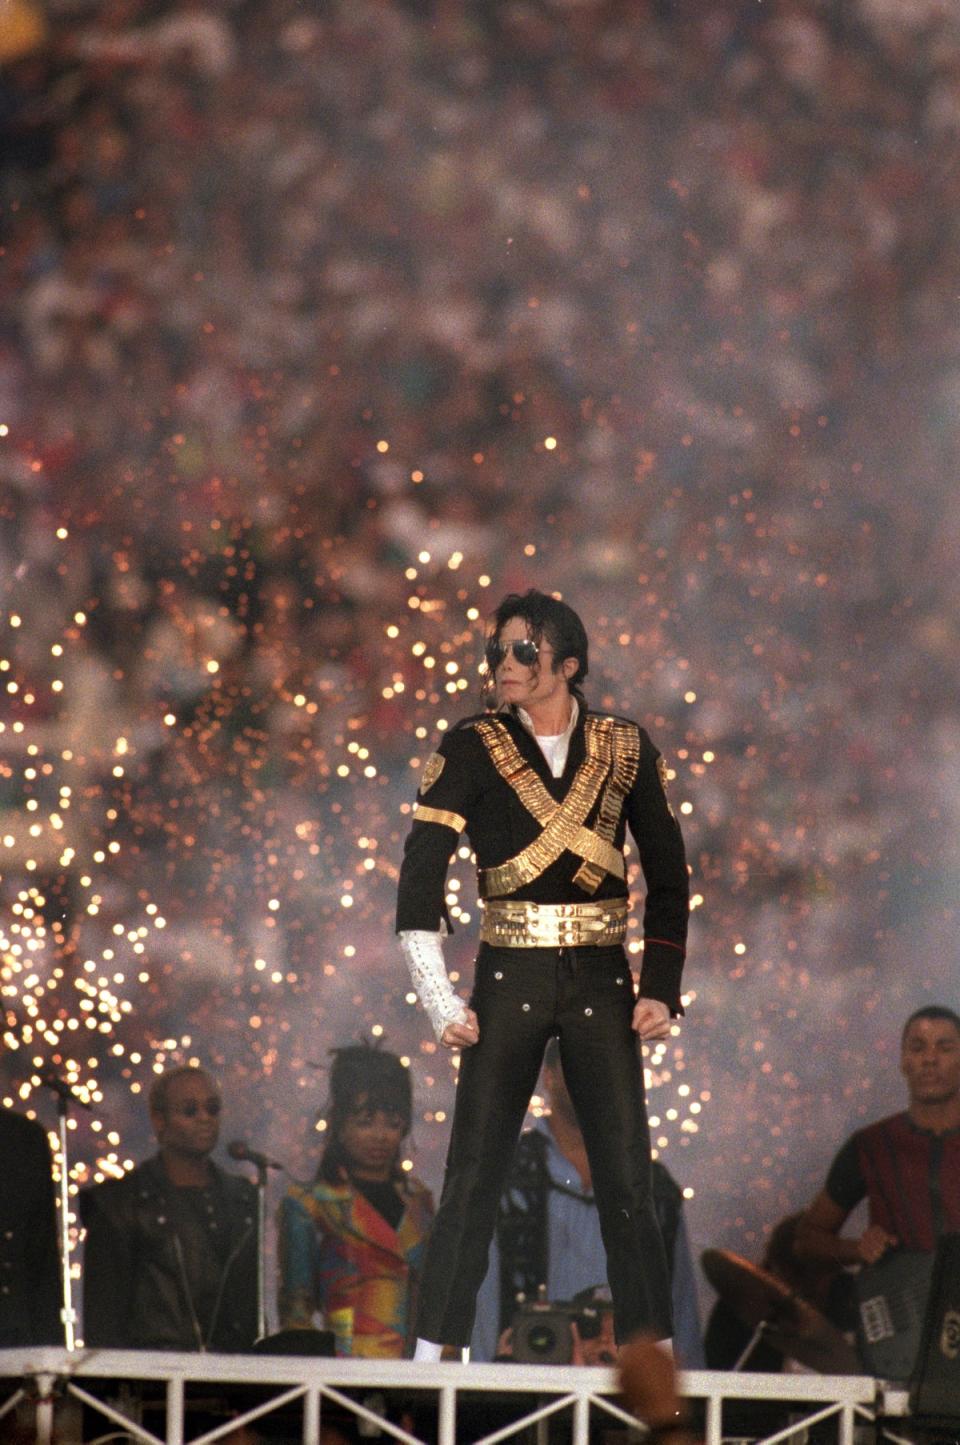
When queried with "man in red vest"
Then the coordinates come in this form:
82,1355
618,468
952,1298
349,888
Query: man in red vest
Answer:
907,1166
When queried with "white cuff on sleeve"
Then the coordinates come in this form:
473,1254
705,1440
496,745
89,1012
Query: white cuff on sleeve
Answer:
423,953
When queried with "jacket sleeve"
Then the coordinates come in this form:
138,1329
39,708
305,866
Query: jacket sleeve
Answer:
449,785
486,1321
297,1248
687,1334
241,1294
663,861
107,1270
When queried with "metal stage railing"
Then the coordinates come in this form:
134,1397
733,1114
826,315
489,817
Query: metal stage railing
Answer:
157,1399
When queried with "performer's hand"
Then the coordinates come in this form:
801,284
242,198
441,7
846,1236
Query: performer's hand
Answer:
651,1019
874,1243
461,1036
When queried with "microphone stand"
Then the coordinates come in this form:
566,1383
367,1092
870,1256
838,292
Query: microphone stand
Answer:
241,1151
759,1333
68,1315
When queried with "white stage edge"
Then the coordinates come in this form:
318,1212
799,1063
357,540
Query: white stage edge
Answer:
45,1383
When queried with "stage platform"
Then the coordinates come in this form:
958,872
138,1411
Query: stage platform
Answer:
62,1398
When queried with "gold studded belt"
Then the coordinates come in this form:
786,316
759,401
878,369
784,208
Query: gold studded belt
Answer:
553,925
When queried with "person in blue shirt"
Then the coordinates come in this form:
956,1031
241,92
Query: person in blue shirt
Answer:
548,1230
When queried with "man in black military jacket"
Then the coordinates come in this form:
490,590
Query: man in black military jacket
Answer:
545,791
171,1253
30,1293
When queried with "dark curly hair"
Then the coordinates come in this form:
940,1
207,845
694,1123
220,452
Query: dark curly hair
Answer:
548,617
367,1076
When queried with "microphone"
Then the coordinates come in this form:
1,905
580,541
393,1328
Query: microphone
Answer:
240,1150
64,1091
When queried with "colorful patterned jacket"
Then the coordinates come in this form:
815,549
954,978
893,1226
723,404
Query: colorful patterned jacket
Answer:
340,1258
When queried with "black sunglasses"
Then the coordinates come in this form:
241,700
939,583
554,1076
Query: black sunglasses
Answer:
524,649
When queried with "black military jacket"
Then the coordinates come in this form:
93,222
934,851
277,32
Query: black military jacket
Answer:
489,778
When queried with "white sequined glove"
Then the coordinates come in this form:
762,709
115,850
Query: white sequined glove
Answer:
423,952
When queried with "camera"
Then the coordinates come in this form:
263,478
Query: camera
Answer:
542,1333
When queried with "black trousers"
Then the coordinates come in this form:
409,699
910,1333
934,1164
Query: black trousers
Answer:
523,996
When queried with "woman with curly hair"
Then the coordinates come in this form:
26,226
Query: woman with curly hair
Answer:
351,1241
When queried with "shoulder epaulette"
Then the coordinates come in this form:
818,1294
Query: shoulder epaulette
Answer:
615,717
471,722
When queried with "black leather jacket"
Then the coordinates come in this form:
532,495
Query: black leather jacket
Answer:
164,1273
29,1256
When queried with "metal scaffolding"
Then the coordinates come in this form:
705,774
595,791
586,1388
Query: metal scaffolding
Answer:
451,1403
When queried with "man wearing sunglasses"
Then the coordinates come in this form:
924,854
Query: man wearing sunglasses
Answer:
545,791
171,1255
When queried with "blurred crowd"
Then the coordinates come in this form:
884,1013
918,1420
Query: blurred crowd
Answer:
321,326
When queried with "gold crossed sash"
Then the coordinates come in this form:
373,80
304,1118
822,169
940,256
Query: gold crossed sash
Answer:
612,755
